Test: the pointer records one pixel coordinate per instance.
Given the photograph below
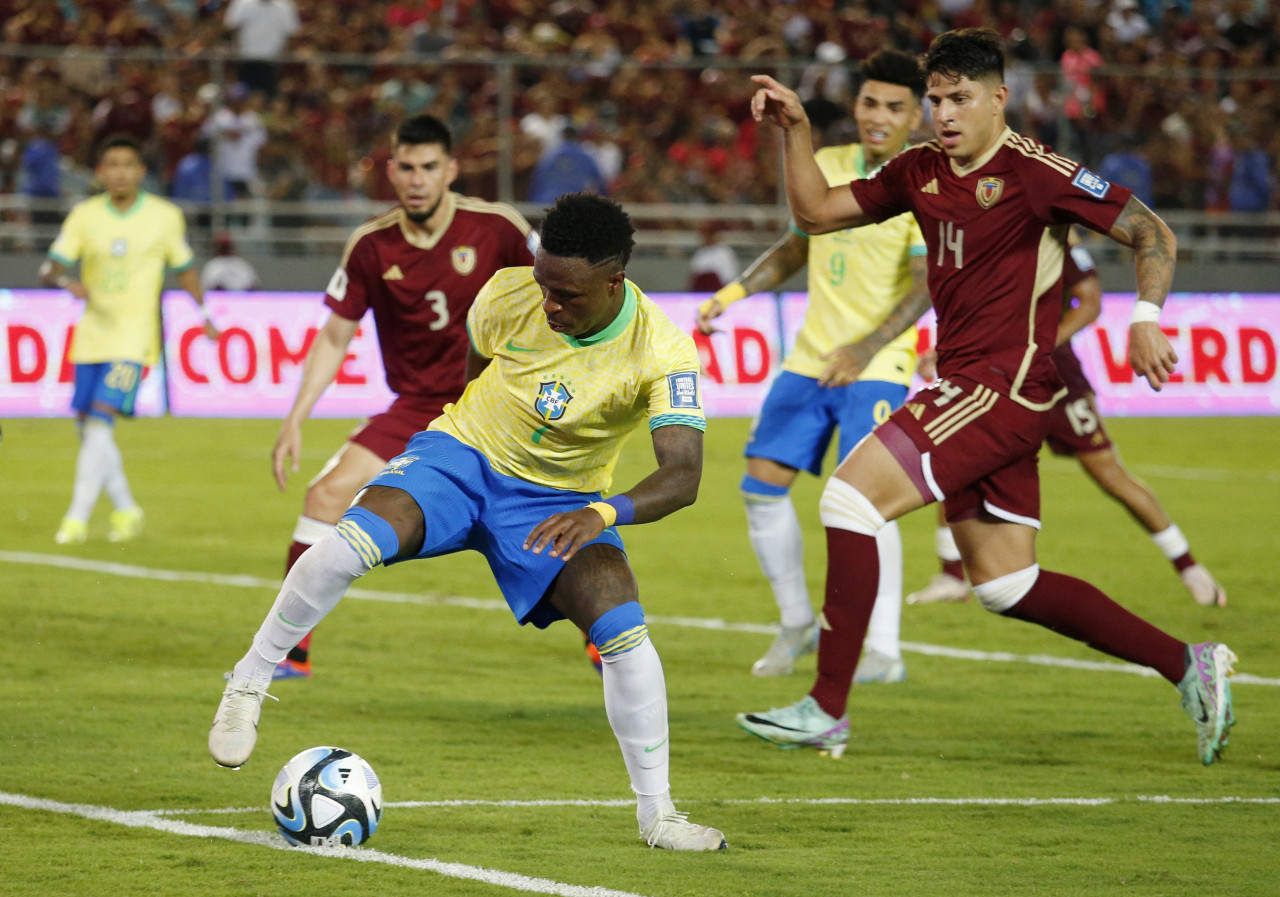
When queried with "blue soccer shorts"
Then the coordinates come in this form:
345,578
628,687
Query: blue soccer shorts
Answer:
467,505
111,383
795,424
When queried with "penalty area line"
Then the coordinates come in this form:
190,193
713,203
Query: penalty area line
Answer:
151,820
245,581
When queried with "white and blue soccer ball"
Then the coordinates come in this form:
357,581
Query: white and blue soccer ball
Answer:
327,797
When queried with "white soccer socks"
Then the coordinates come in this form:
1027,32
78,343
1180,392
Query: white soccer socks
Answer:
635,701
774,531
314,587
98,466
883,631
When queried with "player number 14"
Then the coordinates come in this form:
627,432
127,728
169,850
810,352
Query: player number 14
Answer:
950,237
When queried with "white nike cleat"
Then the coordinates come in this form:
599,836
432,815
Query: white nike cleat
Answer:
943,587
674,831
876,667
792,643
235,725
1203,587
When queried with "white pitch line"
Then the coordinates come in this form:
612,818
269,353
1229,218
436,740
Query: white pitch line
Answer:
256,582
147,819
808,801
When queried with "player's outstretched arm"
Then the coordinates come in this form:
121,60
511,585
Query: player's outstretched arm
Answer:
1088,296
783,259
815,207
189,280
674,485
323,361
846,363
1155,250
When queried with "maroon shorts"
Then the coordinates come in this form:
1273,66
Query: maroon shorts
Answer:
977,448
387,434
1075,427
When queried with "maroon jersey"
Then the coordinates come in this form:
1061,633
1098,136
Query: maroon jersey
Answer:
1077,265
420,290
997,237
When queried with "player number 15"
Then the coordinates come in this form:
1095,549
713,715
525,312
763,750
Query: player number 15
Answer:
950,237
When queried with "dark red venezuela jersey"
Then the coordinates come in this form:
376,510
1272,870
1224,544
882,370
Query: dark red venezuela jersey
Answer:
1075,267
421,290
997,236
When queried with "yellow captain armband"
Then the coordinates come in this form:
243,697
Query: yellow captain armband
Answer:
607,511
729,294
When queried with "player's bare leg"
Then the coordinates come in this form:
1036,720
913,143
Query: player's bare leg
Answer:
1108,472
597,592
949,583
329,495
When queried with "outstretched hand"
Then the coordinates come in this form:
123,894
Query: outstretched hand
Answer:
1150,353
780,105
707,312
285,454
564,534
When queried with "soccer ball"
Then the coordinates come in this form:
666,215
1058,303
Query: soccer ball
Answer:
327,797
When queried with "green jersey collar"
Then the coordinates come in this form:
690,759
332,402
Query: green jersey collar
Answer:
619,324
137,204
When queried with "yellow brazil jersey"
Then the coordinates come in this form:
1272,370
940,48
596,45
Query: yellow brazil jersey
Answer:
122,258
556,410
856,277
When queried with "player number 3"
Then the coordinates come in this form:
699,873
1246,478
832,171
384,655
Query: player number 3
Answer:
439,305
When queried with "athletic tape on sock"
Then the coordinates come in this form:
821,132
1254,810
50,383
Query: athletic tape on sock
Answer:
1003,592
309,531
844,507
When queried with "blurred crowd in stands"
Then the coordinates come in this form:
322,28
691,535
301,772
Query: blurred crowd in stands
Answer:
1175,98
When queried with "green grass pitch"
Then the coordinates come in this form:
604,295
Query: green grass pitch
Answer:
978,776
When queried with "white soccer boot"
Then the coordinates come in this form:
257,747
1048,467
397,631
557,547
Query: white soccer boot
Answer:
1206,590
674,831
792,643
235,725
876,667
943,587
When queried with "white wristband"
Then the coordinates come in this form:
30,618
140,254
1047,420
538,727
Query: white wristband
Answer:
1145,313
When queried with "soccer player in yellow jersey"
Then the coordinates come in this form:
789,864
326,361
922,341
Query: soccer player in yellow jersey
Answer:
567,358
851,366
123,238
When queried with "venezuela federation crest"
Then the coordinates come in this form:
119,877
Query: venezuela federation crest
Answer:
989,191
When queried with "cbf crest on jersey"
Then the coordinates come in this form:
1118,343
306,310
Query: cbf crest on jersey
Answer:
989,191
464,259
119,248
553,397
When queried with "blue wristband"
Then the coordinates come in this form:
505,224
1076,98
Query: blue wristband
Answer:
625,508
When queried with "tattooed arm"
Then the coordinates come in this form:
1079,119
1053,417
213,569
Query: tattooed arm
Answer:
783,259
848,361
1155,250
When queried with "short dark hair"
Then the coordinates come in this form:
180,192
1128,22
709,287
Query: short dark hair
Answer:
422,129
587,226
973,53
116,141
894,67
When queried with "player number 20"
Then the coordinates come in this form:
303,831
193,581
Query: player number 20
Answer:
951,238
439,305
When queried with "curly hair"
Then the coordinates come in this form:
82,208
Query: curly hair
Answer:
894,67
587,226
973,53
